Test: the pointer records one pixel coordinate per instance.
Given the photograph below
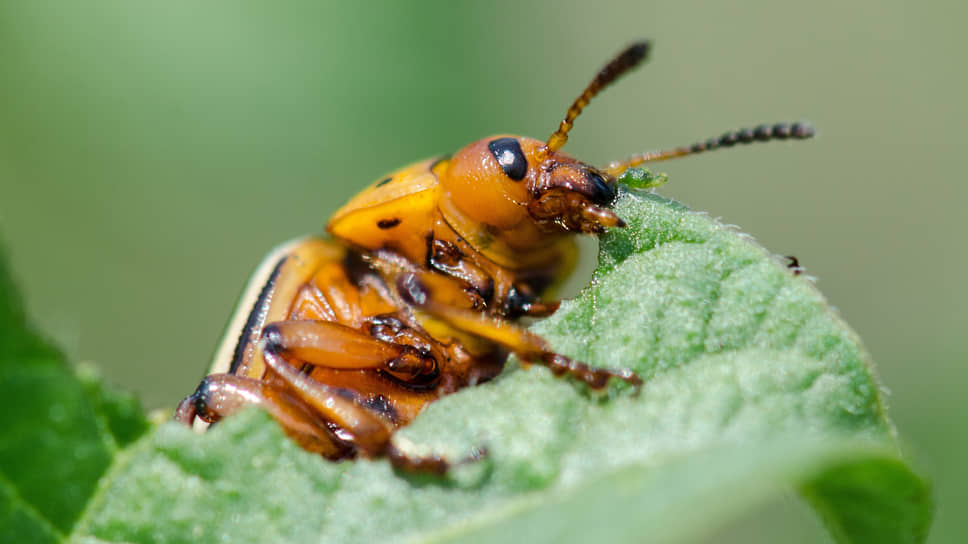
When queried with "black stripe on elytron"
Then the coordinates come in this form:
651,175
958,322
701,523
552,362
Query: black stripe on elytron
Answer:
255,316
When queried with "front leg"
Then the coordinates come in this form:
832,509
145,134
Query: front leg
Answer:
415,289
488,285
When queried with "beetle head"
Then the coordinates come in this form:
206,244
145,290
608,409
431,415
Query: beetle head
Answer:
507,181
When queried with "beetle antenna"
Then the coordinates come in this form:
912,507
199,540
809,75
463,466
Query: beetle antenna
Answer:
631,57
762,133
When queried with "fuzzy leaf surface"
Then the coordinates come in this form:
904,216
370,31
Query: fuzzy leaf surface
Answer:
754,386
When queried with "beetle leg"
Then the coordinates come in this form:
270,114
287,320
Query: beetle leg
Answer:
221,395
531,348
538,309
328,344
369,432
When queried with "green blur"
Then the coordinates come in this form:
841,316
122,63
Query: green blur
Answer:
151,154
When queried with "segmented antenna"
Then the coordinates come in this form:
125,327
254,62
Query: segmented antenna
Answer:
631,57
762,133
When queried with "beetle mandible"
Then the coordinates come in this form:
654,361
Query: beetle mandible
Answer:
419,289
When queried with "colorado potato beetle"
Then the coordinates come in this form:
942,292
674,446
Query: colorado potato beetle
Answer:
418,291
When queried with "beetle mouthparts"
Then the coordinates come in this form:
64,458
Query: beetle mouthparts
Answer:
601,217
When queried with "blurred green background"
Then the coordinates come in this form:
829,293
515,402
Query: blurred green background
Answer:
150,154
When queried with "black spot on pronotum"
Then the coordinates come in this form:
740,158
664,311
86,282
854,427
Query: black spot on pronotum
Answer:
388,223
384,182
507,152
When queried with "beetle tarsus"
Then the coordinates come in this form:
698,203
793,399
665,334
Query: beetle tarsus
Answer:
429,464
404,462
185,413
595,377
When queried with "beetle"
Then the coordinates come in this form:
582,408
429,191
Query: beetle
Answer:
420,287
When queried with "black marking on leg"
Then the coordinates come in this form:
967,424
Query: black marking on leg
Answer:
383,406
412,290
386,327
518,302
273,338
201,398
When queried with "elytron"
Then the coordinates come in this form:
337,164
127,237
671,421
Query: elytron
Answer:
420,287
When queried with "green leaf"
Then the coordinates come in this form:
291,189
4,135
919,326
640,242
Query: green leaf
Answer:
642,178
754,386
59,435
121,415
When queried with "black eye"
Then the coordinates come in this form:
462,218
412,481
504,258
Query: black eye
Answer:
507,152
601,193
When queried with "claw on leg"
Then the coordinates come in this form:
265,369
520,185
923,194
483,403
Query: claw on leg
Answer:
221,395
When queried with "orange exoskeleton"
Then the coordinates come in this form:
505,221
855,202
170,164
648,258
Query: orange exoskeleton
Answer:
418,291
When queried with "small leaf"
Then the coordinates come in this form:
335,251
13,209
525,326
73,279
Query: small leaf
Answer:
642,178
753,386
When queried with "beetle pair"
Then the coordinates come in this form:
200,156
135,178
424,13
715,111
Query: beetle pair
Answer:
419,290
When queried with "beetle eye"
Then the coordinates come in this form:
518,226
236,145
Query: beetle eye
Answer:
601,193
507,152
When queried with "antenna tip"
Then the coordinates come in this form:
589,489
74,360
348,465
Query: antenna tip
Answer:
802,130
637,51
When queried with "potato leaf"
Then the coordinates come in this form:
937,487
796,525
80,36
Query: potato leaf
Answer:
754,386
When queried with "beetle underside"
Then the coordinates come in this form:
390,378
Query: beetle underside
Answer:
338,351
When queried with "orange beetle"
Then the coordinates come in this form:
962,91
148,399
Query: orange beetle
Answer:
417,293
